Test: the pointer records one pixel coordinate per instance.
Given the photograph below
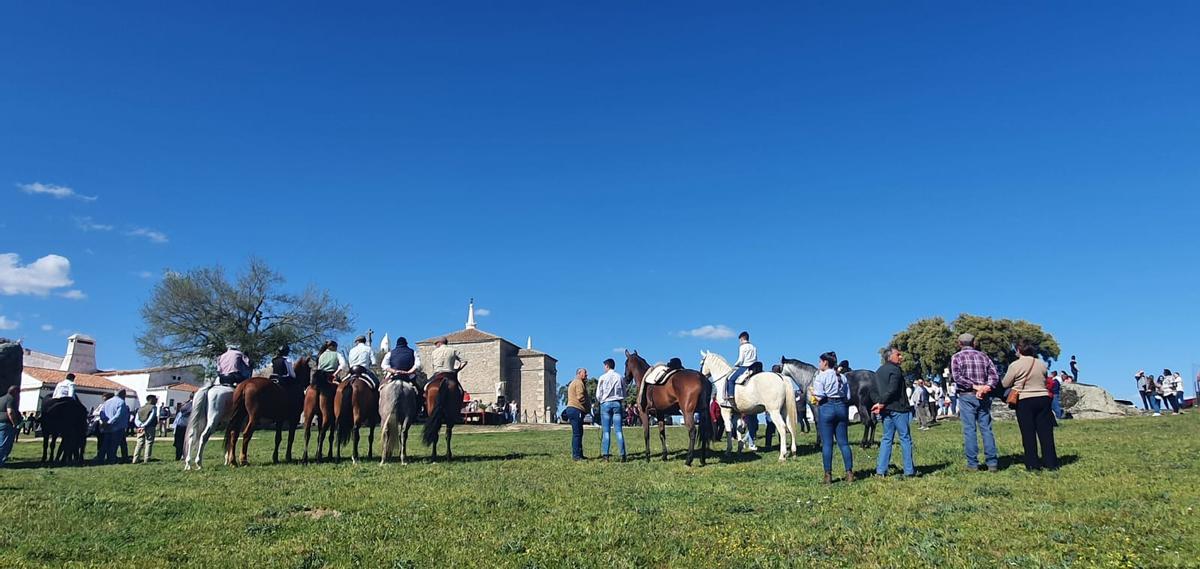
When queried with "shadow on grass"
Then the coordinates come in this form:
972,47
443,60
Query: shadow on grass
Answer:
1017,460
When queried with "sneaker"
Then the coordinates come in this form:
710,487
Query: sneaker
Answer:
1157,415
993,468
750,447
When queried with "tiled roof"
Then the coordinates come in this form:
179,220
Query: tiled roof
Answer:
187,387
143,370
53,376
465,336
529,352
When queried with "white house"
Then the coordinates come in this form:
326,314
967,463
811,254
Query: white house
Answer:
38,383
165,382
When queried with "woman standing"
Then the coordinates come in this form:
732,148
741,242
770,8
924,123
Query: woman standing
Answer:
1166,385
1027,375
832,393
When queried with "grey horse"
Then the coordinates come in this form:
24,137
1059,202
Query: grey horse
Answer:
399,406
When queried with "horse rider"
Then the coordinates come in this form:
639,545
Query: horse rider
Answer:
402,363
233,366
747,359
65,389
282,370
329,364
446,359
675,363
361,360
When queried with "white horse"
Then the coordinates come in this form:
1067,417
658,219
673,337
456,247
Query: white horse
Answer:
766,391
211,410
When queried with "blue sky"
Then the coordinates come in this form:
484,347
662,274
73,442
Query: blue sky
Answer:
609,176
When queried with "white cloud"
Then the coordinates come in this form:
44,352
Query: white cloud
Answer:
482,312
57,192
708,332
6,324
619,350
74,294
144,274
47,328
88,224
37,278
153,235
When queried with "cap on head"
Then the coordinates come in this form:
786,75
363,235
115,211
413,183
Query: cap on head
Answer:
361,339
401,341
70,377
966,339
152,398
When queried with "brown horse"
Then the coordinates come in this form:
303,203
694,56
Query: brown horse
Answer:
355,405
260,399
318,402
687,393
443,401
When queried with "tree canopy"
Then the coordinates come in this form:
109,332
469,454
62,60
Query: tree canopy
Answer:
929,343
190,317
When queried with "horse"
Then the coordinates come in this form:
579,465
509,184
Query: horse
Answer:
802,374
318,402
443,401
64,423
862,392
260,398
355,405
768,391
212,405
399,407
686,392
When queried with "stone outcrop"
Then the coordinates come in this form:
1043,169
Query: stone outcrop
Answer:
1079,401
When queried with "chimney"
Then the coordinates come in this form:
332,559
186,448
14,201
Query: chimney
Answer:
81,355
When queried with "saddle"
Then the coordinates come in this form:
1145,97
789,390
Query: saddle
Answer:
659,374
365,379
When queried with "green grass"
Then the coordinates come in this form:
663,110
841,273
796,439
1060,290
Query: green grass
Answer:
1126,497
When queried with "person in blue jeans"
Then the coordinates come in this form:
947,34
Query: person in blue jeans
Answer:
578,404
893,407
1055,385
832,391
975,375
610,392
10,418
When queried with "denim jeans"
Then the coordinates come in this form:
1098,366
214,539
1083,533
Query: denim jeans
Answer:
112,441
1171,402
610,418
575,417
1154,404
833,419
1056,405
976,416
954,405
751,425
1145,399
896,424
8,435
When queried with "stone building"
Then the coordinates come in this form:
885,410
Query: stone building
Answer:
498,368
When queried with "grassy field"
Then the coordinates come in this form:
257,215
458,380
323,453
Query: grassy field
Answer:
1127,496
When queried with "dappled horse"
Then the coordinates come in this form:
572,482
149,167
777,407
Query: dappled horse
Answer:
260,399
399,407
318,404
443,402
355,405
212,406
765,391
64,424
802,374
686,392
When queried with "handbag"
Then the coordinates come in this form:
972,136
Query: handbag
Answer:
1014,395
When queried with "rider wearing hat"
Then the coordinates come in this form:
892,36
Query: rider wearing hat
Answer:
281,365
233,366
402,363
362,358
329,363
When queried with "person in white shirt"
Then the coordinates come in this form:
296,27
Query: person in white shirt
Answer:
65,388
747,358
610,393
362,358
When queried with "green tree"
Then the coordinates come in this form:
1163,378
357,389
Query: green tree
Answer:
929,343
590,384
190,317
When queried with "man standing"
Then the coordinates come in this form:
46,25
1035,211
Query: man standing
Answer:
446,359
1144,388
114,419
896,413
577,406
65,388
362,358
920,401
10,417
183,411
610,392
233,366
976,377
146,422
747,357
1074,370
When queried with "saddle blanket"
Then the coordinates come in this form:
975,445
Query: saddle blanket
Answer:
658,375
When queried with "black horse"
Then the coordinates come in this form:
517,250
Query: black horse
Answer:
863,395
64,424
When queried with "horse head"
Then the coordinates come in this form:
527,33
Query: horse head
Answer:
634,362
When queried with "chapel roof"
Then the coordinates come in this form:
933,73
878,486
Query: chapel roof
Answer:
186,387
143,370
53,376
465,336
527,352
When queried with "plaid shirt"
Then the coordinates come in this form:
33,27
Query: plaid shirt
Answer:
971,367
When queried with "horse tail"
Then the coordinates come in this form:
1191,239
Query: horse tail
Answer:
344,412
199,416
240,414
447,408
789,406
706,424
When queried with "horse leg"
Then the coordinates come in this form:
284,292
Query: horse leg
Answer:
690,423
662,436
449,435
730,430
246,436
278,441
354,438
404,441
646,433
370,441
45,447
291,439
231,436
781,430
307,436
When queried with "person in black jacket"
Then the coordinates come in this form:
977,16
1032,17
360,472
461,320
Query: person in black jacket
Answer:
894,409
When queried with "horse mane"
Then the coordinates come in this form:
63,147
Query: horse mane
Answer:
798,363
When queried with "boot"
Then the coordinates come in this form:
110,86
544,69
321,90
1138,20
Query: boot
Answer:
828,478
849,476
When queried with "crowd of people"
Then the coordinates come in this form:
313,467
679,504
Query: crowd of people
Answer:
1162,393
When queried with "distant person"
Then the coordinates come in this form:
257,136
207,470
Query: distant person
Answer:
1179,391
65,388
935,396
832,391
97,426
183,411
233,367
1074,370
1145,388
362,358
919,399
146,421
747,359
10,419
893,408
1054,386
1035,419
446,359
952,395
975,375
283,369
610,394
1166,383
114,418
578,405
